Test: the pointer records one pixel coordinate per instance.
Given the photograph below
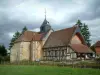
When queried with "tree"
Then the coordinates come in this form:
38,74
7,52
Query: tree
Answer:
3,54
3,51
93,48
24,29
86,34
15,36
79,23
84,31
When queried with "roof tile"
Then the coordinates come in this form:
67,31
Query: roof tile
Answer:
29,36
60,37
80,48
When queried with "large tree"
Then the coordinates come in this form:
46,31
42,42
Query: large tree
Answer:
84,31
3,51
79,23
3,54
24,29
15,36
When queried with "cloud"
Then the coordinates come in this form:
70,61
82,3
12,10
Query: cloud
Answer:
36,29
15,14
10,34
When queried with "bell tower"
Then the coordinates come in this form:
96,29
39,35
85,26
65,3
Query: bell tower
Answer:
45,27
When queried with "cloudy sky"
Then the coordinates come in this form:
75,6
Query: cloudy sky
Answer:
15,14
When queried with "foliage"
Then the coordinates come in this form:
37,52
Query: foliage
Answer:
7,58
1,58
84,31
3,51
15,37
45,70
93,48
24,29
79,24
97,60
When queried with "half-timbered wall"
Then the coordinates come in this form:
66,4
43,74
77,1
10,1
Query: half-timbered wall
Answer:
59,54
72,54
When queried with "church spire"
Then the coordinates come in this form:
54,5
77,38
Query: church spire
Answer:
45,13
45,27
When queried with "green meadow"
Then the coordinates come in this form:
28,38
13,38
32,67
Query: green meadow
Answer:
44,70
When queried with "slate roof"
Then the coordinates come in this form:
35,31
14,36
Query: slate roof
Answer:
45,27
80,48
60,37
29,36
44,22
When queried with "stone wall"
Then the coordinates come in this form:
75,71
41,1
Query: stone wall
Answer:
20,51
36,50
14,55
24,51
28,50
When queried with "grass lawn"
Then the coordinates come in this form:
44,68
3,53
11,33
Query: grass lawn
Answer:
44,70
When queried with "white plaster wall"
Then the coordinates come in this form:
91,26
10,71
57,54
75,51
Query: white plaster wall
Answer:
75,40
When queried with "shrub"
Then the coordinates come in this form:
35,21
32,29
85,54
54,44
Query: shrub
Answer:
97,60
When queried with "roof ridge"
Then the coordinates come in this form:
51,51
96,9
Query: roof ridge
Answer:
60,37
31,31
65,29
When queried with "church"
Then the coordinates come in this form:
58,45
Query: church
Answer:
50,45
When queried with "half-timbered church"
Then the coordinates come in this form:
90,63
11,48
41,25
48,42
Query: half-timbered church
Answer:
50,45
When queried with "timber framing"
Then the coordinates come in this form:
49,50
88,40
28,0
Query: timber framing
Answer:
59,53
62,53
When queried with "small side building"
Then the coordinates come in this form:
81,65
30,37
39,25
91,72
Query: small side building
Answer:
66,44
97,48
